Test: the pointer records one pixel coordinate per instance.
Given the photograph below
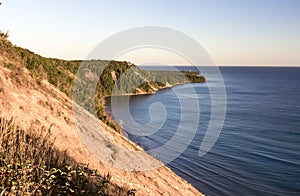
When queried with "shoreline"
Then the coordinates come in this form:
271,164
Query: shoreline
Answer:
138,94
124,133
149,93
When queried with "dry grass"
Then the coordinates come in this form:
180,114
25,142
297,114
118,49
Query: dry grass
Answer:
29,165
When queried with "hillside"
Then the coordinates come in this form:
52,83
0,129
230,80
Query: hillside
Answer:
37,92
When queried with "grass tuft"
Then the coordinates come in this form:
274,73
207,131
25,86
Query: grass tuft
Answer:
30,165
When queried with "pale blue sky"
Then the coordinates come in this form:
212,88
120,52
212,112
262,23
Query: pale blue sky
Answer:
234,32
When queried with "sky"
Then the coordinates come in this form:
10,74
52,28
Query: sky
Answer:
233,32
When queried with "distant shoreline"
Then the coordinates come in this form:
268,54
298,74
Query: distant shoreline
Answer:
138,94
147,93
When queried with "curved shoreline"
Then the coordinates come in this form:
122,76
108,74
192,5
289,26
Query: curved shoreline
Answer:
124,133
151,93
137,94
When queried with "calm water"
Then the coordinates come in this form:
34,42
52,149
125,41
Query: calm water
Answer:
258,150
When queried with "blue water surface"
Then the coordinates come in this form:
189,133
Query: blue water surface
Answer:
258,150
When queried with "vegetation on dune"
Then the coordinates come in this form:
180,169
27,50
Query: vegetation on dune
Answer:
30,165
60,73
129,79
116,78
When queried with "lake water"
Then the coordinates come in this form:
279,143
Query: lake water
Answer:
258,150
